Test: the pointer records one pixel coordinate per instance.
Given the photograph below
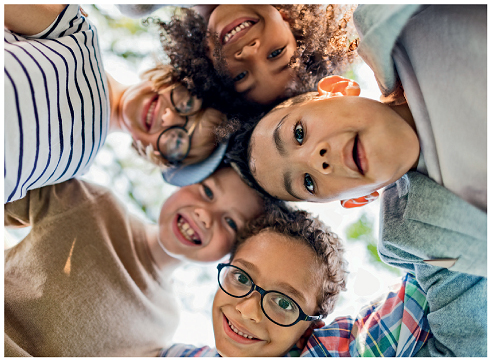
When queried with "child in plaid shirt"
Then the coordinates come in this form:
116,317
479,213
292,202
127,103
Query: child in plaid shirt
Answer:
296,289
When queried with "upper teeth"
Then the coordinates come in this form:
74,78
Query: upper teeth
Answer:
187,231
235,30
150,112
238,332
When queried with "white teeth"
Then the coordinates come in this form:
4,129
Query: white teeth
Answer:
239,332
150,112
235,30
187,231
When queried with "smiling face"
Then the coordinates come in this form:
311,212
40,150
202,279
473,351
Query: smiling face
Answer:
232,315
257,45
329,149
145,113
199,222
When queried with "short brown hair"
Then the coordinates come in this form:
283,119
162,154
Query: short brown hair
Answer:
301,226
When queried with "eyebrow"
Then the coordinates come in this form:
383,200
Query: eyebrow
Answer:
276,136
287,183
286,286
281,68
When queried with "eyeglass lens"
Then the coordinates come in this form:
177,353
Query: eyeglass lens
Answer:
174,144
184,103
276,306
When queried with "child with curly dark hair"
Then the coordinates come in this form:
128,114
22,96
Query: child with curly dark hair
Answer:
243,59
285,273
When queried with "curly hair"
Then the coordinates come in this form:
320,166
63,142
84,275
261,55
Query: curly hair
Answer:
302,227
184,41
324,47
323,40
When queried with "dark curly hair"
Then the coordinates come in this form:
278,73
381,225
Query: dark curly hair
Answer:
324,47
239,151
238,155
184,41
300,226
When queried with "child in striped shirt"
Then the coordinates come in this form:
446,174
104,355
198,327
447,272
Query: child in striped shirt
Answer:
60,104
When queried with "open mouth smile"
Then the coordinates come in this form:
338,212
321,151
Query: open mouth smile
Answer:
234,31
237,334
359,156
187,232
149,115
356,156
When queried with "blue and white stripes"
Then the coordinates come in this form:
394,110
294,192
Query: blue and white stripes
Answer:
56,104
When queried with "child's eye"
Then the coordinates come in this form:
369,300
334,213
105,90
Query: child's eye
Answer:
298,133
309,183
284,303
208,192
276,53
240,76
232,224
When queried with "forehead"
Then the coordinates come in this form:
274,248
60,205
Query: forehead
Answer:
276,259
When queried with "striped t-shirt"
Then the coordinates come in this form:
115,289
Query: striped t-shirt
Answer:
56,103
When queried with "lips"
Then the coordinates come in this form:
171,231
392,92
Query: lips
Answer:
236,29
238,333
356,155
359,156
186,232
148,114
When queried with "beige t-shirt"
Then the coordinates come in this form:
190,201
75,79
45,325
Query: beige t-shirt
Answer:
83,282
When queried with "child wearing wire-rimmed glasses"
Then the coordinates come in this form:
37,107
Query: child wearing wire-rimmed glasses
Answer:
62,104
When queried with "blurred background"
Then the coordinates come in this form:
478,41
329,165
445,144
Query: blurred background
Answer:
128,49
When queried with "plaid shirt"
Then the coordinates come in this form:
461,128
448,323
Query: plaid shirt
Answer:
393,325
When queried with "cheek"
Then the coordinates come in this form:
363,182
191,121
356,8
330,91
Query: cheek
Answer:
221,244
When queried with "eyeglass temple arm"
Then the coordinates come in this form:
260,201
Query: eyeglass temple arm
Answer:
314,318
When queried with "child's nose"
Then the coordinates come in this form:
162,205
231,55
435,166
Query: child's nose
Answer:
171,118
319,159
250,307
204,217
249,50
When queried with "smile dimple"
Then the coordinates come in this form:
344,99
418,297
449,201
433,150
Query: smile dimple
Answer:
187,231
227,37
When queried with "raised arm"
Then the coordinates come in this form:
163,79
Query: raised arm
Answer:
30,19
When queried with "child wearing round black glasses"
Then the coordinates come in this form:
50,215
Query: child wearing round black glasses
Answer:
91,279
284,275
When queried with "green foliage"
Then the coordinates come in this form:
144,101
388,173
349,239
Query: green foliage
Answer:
362,231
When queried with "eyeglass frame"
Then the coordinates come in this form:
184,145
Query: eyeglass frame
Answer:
302,316
190,136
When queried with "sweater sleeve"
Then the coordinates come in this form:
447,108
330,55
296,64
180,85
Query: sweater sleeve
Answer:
43,203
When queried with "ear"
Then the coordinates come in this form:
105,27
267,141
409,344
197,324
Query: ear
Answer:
359,202
302,341
336,85
284,15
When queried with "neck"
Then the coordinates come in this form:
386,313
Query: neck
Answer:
164,262
405,113
116,91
